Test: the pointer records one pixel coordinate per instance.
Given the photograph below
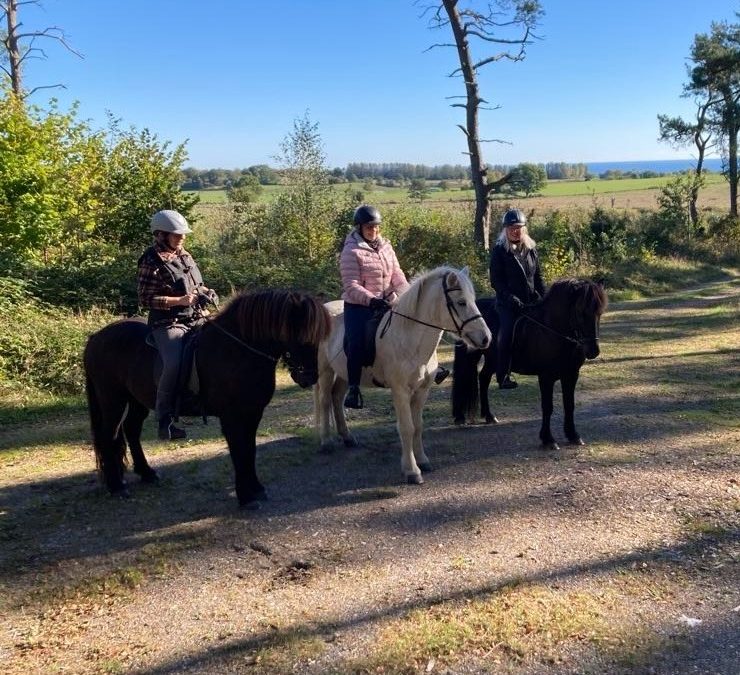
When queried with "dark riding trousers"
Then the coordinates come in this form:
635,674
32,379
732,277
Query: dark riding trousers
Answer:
355,322
178,276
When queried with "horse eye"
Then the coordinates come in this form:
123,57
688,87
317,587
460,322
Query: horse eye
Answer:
462,302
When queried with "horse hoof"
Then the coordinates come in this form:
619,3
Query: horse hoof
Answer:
426,467
490,419
253,505
121,493
350,442
552,445
326,448
459,421
576,441
151,477
414,479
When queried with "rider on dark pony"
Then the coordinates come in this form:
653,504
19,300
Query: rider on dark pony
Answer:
517,279
171,287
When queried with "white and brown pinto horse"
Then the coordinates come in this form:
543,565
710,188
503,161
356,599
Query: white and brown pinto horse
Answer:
405,358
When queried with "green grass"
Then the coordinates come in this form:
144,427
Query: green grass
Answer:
554,188
519,623
569,188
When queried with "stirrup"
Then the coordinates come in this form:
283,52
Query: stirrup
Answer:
441,375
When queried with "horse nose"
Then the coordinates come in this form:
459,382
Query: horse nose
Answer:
480,339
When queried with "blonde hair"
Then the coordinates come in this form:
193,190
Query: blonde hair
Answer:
526,241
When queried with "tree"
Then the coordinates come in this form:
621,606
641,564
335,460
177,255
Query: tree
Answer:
715,77
677,201
51,179
244,190
418,189
18,52
680,133
305,210
142,175
528,178
503,23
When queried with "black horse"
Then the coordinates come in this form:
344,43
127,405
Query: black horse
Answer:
235,359
551,340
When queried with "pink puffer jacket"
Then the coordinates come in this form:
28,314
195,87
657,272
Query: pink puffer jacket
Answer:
368,274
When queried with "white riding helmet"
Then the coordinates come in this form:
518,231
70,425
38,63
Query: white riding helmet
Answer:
169,221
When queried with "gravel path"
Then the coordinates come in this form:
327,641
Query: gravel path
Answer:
636,535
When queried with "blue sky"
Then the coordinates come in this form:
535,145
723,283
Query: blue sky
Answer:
231,76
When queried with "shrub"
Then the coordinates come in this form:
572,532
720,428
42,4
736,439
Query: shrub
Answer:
40,345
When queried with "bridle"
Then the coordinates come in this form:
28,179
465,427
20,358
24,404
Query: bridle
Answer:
457,320
577,340
286,355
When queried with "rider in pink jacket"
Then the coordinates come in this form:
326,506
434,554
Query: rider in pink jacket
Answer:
372,279
369,268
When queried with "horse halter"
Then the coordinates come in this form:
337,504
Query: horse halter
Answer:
577,340
457,320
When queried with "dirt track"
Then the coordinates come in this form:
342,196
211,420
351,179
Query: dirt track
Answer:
595,559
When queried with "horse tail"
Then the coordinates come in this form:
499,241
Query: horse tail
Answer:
109,444
465,383
96,422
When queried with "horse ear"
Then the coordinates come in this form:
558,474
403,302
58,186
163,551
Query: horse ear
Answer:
465,271
452,279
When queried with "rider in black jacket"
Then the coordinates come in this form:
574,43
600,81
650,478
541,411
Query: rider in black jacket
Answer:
517,279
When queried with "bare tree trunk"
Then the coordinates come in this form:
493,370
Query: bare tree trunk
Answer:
478,169
13,48
732,167
18,51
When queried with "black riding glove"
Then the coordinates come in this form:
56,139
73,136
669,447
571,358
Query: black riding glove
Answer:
379,305
516,303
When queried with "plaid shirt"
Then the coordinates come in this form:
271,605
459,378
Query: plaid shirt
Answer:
152,288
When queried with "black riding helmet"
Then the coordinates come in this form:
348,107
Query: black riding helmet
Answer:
367,215
514,217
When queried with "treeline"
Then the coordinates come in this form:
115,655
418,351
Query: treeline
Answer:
203,179
358,171
392,173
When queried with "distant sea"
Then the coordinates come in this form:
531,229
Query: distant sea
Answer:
658,165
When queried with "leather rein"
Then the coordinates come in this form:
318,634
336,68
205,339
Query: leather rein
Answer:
457,320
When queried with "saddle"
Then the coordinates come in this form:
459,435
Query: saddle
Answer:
368,343
187,399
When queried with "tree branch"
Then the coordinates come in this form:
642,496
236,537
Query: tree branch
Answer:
438,44
45,86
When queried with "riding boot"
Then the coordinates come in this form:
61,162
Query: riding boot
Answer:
507,383
167,431
354,397
441,375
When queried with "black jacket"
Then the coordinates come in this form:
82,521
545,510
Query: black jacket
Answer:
510,277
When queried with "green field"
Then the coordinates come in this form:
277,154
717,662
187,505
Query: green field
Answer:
555,188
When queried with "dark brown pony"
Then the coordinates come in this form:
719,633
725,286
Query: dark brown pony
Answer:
551,340
235,360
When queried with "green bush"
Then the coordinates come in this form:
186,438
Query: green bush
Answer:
424,238
41,346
